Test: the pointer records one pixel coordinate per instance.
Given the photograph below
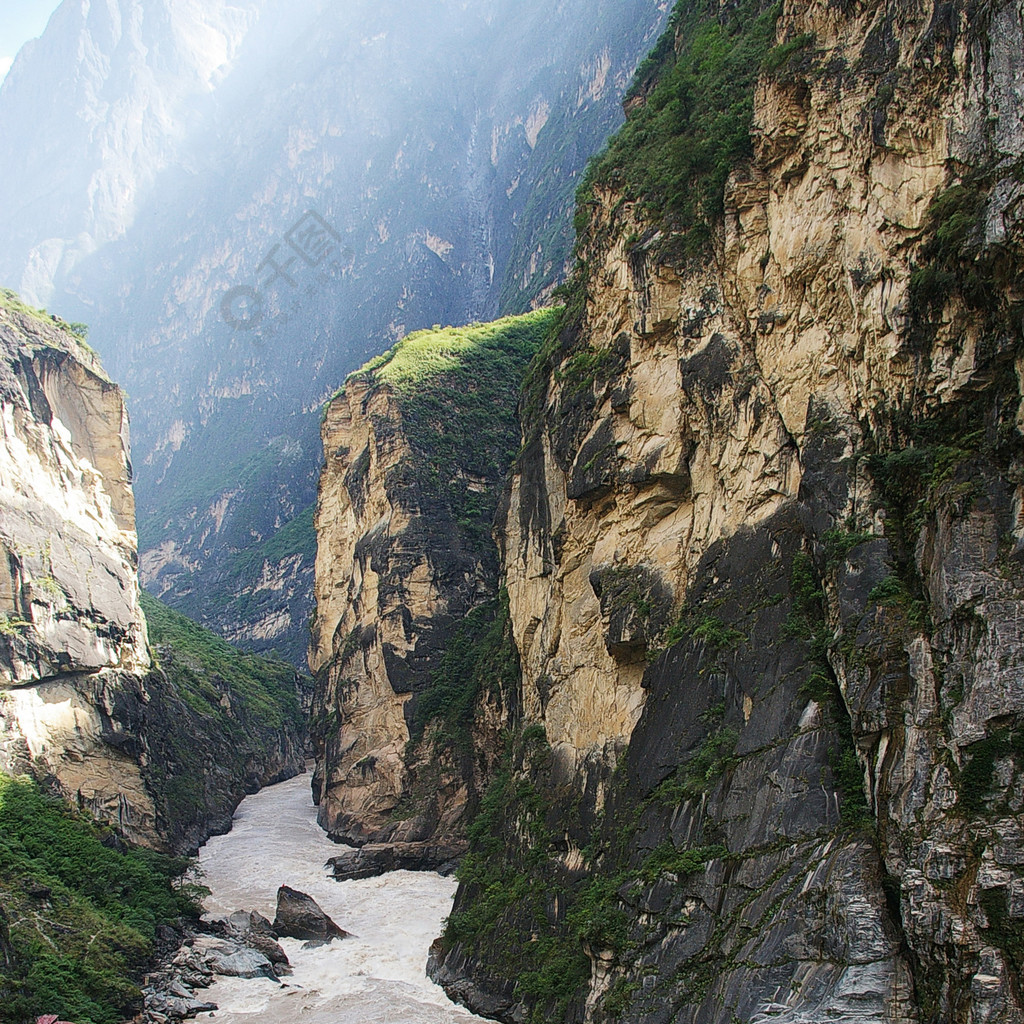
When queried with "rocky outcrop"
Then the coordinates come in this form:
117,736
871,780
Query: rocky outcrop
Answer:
417,445
762,558
73,652
375,859
244,946
82,704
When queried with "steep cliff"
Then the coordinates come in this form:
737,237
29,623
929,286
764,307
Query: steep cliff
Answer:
220,724
762,546
418,444
82,705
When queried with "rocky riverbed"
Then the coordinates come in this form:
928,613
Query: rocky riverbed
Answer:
243,962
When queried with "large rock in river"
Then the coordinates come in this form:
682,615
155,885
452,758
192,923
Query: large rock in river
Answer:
300,917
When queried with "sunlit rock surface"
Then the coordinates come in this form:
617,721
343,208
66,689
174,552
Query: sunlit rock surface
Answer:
83,705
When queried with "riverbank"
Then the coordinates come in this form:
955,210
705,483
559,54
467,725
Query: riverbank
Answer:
376,977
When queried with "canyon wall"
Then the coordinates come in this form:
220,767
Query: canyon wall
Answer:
417,446
402,170
761,547
763,561
83,706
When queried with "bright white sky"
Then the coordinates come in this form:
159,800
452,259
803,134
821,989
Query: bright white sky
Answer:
21,20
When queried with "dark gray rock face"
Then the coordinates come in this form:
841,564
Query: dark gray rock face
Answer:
456,975
375,859
300,917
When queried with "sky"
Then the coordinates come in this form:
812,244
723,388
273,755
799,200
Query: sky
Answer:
21,20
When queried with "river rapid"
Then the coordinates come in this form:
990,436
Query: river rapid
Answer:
377,976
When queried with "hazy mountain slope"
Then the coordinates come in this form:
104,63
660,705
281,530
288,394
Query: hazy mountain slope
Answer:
437,144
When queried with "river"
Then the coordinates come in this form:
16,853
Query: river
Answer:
377,976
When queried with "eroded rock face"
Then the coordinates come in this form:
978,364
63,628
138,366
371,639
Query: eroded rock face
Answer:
407,497
73,641
81,704
805,454
367,614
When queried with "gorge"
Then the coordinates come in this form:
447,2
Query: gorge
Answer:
680,615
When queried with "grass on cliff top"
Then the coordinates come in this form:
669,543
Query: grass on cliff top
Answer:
434,356
457,389
675,152
78,913
203,667
12,301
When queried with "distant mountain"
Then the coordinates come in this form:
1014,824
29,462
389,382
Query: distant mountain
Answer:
245,200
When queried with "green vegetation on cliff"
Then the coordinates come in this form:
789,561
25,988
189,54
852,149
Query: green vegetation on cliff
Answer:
510,908
222,724
480,655
11,300
456,390
676,150
78,911
194,656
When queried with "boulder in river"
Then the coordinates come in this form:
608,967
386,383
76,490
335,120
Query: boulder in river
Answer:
256,932
233,962
300,917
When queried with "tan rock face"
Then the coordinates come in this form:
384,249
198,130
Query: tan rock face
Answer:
72,631
387,586
717,389
417,446
360,767
697,427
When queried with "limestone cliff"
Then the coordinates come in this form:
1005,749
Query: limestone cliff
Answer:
762,547
82,704
417,447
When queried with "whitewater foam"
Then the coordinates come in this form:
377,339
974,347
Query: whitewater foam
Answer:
377,977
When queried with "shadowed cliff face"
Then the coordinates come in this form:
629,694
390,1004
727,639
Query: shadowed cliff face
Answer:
434,147
82,706
765,531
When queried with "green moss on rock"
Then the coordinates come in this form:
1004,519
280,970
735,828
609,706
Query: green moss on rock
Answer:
676,150
457,390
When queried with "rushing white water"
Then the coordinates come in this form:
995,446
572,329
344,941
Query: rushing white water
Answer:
378,976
